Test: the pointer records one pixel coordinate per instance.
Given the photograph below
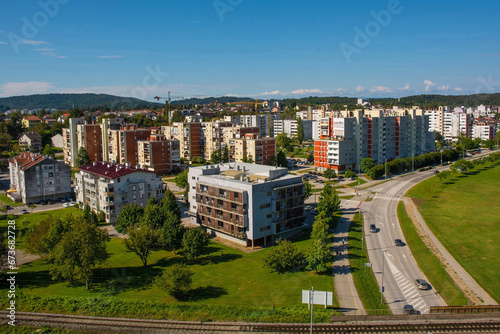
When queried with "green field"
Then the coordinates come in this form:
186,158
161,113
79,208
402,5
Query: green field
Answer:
224,277
462,211
429,263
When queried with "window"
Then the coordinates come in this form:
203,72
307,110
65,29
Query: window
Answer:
268,193
236,196
269,216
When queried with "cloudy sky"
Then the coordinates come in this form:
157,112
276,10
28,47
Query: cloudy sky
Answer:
264,49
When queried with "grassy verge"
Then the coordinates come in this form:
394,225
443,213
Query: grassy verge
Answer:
462,212
227,285
355,183
429,263
363,277
346,197
10,202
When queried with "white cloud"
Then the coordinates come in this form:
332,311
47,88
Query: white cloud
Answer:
306,91
360,88
45,50
32,42
458,89
341,90
3,42
61,57
428,85
380,89
444,87
110,57
275,92
406,87
24,88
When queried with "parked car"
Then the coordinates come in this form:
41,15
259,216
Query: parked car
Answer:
398,242
373,228
422,284
408,309
66,205
436,172
7,207
72,203
23,211
308,207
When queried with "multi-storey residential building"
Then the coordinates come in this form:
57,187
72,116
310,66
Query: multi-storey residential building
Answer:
31,141
89,136
107,125
289,127
29,122
158,154
108,187
213,134
252,147
189,137
372,134
122,144
34,177
70,141
249,204
457,123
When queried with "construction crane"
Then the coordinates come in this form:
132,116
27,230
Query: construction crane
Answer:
167,104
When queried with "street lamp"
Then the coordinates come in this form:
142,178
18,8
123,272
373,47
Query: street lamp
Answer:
383,265
385,169
441,157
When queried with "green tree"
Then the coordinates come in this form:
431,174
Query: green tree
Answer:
176,281
172,232
194,243
225,154
329,203
82,158
141,241
367,164
284,257
80,249
48,151
169,203
154,216
75,113
310,157
319,256
215,157
177,117
282,140
307,189
181,180
300,130
129,216
329,173
349,173
282,162
152,201
198,160
320,230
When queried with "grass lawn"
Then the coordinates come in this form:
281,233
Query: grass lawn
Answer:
10,202
355,183
223,276
429,263
462,211
363,277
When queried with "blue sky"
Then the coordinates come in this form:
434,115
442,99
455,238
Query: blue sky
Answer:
264,49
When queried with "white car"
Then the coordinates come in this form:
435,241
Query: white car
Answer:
66,205
72,203
308,207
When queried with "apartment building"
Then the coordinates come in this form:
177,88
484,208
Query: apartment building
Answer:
34,177
248,204
451,124
189,137
214,136
377,134
29,122
70,141
289,127
252,148
108,187
158,154
30,141
122,144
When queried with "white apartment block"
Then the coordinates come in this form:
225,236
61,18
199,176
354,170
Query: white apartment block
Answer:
289,127
109,187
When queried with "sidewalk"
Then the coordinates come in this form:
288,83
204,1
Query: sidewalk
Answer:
465,282
347,295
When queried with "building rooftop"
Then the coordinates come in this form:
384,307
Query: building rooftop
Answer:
27,160
33,118
31,135
244,172
110,170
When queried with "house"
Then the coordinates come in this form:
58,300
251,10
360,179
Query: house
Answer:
57,141
34,177
29,122
30,141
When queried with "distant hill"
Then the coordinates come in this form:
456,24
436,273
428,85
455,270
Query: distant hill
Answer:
208,100
67,101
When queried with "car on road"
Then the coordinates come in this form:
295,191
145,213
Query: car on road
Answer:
408,309
373,228
66,205
422,284
398,242
72,203
24,211
7,207
436,172
308,207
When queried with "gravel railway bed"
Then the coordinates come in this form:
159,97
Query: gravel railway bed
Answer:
485,324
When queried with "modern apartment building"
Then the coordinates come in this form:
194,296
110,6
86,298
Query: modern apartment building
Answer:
108,187
189,137
158,154
122,144
34,177
375,134
289,127
249,204
252,147
70,141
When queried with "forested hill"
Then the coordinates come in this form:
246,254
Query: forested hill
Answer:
67,101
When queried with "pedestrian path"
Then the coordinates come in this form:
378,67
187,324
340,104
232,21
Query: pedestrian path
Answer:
347,295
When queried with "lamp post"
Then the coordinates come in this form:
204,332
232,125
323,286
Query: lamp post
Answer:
385,169
412,162
441,157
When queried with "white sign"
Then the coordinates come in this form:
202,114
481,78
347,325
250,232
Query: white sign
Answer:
319,297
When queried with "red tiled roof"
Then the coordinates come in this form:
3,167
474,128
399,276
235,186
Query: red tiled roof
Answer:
110,171
27,160
32,118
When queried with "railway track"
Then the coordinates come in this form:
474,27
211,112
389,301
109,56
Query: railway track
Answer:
124,325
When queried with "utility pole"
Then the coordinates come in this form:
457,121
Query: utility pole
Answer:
382,287
311,301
